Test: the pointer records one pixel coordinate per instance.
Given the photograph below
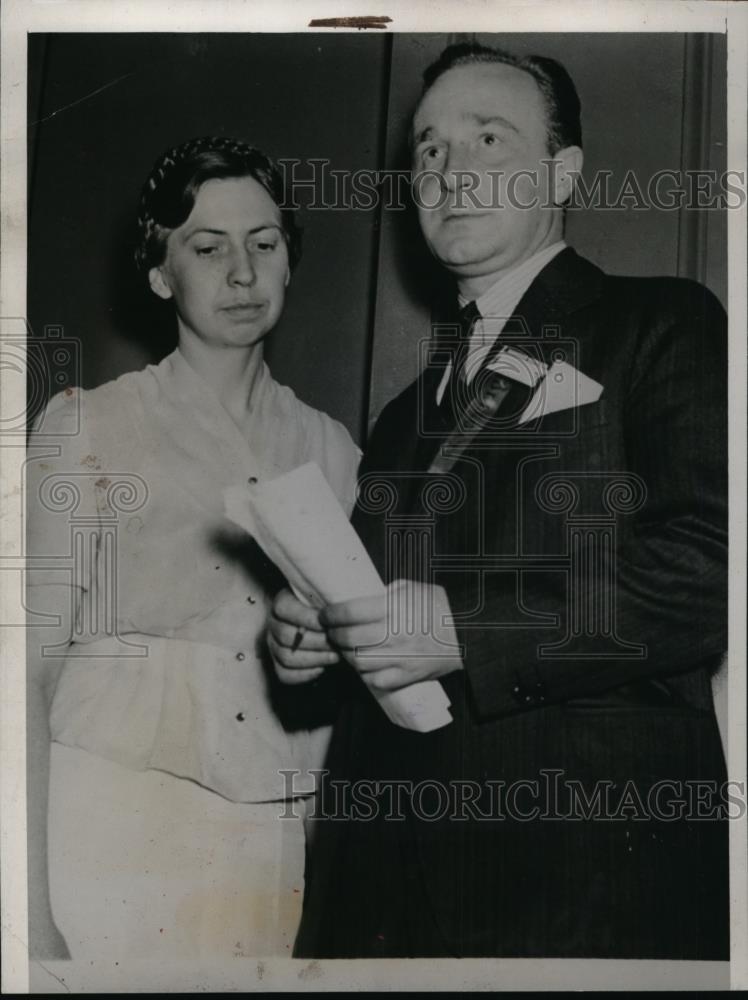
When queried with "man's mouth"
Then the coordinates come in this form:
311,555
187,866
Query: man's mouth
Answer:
463,215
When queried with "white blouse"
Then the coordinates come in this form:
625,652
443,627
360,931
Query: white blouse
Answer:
168,668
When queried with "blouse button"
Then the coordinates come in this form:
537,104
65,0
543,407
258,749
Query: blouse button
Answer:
251,599
240,656
241,717
252,480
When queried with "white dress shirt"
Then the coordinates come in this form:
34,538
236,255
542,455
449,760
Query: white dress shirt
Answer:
496,305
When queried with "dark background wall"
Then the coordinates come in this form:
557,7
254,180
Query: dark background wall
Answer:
103,107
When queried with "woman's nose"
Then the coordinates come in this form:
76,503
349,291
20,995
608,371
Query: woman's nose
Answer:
241,268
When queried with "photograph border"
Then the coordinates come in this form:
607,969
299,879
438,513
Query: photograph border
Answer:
20,17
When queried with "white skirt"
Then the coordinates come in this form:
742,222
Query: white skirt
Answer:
145,865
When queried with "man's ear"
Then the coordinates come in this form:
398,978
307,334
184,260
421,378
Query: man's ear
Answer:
567,164
288,276
158,282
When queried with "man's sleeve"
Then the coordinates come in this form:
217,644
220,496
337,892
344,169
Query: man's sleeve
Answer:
668,588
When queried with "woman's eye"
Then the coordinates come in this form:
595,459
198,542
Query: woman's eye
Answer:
265,246
490,139
206,251
432,153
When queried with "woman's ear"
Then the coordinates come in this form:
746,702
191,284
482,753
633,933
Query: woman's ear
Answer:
288,276
158,282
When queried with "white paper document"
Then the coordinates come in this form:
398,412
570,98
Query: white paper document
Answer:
299,523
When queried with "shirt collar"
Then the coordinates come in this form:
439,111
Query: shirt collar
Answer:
501,298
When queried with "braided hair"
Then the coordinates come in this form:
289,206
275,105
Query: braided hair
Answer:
169,193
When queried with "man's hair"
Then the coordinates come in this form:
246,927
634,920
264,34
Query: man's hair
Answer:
170,191
562,105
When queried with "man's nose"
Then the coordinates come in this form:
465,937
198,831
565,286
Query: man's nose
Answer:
457,167
241,268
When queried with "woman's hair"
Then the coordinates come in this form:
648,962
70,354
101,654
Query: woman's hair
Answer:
169,194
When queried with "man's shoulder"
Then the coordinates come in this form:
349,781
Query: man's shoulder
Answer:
668,286
666,293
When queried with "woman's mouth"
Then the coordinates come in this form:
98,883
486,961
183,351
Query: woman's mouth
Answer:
244,308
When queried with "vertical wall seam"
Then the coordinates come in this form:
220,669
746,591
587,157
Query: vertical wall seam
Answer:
376,241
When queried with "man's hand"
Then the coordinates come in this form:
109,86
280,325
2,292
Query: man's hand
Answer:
297,641
396,639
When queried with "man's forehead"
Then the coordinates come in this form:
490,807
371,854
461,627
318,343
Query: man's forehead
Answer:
481,90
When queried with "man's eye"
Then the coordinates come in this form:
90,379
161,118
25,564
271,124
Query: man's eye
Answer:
265,246
432,153
490,139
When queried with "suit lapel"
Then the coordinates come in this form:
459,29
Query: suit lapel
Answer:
433,421
541,319
565,285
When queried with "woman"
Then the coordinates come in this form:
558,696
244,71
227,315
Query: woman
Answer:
166,747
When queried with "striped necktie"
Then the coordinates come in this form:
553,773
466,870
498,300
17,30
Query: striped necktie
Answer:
456,394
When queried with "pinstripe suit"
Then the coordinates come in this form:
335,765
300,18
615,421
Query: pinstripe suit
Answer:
582,675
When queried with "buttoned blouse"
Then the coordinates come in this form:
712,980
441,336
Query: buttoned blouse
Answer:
168,667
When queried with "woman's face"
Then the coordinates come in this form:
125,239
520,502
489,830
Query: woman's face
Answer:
226,267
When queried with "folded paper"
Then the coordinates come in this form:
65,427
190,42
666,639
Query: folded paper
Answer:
298,522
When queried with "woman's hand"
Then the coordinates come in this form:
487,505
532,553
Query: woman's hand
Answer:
297,642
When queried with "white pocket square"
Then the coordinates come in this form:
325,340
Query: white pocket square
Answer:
562,388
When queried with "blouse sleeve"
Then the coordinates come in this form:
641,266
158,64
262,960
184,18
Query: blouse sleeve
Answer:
334,450
62,513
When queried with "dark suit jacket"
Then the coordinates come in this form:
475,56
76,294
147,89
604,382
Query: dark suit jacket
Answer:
584,556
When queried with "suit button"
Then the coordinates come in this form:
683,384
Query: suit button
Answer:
240,657
252,480
529,694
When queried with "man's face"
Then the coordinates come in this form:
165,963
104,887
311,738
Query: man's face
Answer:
226,267
480,132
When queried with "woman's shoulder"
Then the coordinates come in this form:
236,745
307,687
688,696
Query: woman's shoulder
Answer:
109,412
317,425
322,439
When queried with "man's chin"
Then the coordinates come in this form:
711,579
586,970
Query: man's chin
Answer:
466,260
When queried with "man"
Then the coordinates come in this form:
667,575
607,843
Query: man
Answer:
565,472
